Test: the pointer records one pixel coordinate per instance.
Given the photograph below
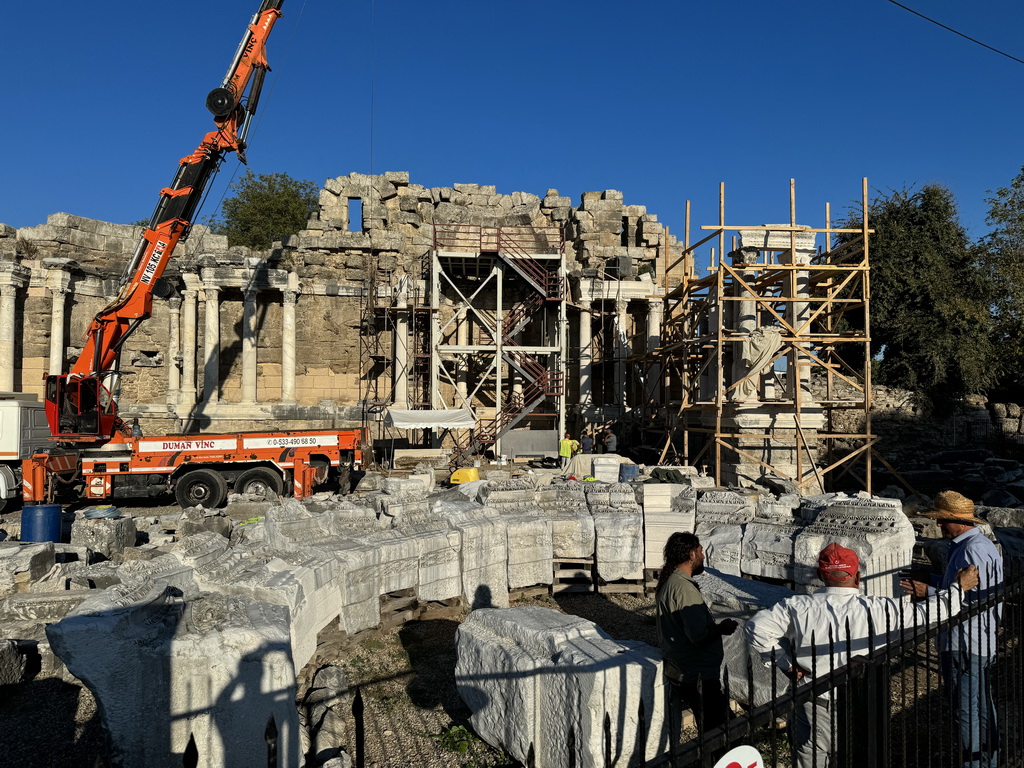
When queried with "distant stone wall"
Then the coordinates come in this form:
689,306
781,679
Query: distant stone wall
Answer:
301,356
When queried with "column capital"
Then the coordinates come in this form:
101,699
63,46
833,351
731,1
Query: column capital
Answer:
656,307
189,294
13,275
192,281
58,282
174,303
621,305
291,298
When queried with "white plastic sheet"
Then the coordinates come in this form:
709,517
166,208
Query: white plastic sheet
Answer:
455,418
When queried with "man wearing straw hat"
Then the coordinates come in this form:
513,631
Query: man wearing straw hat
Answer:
826,628
967,651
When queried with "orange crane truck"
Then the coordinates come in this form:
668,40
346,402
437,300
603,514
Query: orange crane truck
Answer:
94,454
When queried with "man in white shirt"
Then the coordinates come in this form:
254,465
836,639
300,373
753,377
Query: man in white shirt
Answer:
816,627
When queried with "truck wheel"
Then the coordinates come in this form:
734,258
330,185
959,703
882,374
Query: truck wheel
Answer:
260,481
201,486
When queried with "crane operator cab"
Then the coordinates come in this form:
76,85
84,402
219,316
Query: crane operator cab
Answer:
79,408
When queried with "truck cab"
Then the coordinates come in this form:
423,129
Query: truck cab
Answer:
24,431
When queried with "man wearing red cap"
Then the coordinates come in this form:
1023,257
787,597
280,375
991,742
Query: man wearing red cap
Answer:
839,619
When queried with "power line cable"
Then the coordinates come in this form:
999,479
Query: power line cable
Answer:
955,32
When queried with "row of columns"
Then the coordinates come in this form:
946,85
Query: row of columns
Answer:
655,315
183,346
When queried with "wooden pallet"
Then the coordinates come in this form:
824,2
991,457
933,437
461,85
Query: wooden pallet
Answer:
523,593
573,575
636,587
451,608
651,579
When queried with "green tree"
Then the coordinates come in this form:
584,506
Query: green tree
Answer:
265,208
1002,253
930,297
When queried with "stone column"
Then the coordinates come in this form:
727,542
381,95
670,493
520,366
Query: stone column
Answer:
586,355
188,349
211,362
8,296
174,351
12,277
655,313
621,351
400,365
249,346
291,298
59,286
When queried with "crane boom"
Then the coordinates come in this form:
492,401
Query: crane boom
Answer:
79,405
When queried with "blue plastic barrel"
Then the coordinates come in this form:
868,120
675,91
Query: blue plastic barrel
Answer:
627,472
40,522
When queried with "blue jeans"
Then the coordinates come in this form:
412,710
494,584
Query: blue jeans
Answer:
967,676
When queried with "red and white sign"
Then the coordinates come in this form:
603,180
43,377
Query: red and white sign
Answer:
189,446
741,757
290,441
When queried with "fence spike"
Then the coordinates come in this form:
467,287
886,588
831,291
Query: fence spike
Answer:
270,736
360,728
607,740
191,757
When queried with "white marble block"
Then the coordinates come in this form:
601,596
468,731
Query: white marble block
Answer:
875,528
484,553
721,520
529,548
142,656
533,676
668,508
769,539
620,543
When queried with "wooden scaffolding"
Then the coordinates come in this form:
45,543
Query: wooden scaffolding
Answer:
777,315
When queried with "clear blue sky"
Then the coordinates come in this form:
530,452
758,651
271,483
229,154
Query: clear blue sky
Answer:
662,100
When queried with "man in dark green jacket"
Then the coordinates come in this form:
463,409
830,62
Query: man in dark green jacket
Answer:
691,640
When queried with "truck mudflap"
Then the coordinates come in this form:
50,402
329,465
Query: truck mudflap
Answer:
9,485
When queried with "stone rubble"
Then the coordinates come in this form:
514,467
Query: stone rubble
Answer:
182,625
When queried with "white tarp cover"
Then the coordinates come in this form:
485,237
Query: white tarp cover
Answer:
456,418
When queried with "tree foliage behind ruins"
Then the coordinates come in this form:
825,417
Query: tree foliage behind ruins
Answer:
931,324
1002,254
265,207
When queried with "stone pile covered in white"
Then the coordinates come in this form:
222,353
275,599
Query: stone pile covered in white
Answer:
533,677
572,526
484,553
668,508
517,493
722,517
769,538
529,547
300,566
874,527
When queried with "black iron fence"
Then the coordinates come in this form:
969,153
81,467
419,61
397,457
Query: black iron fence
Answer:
898,704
